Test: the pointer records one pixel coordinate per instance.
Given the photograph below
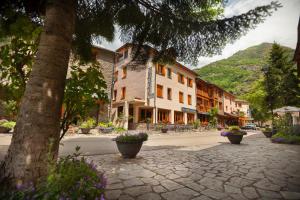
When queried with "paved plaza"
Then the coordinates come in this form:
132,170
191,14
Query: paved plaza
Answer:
256,169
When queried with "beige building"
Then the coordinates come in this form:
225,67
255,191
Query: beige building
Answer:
151,92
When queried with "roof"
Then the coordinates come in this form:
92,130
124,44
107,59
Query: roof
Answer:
181,65
287,109
242,101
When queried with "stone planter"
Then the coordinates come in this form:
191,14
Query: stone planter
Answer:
268,134
128,149
235,139
4,129
105,130
85,130
164,130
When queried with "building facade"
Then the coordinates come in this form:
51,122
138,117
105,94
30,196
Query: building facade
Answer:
152,92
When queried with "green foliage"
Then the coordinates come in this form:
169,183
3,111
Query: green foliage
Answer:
119,129
89,123
284,123
282,137
169,24
213,113
256,97
281,83
132,137
83,88
234,128
70,178
105,124
9,124
196,124
238,73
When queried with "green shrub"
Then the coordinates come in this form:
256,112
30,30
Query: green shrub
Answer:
267,129
9,124
281,137
119,129
196,124
234,128
105,124
132,137
70,178
88,123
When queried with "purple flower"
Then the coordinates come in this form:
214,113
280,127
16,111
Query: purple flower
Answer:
278,140
225,133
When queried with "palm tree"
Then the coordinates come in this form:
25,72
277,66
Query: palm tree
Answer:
191,28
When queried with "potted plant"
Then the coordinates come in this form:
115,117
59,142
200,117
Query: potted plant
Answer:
219,127
234,134
105,127
267,132
164,127
87,125
129,144
7,126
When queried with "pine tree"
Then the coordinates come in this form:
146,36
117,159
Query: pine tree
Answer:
190,27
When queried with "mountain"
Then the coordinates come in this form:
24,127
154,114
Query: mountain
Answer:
237,73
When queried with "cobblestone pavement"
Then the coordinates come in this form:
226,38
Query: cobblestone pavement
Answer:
256,169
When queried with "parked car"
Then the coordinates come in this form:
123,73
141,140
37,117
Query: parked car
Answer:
250,127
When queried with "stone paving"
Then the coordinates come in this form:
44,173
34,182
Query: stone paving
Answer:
256,169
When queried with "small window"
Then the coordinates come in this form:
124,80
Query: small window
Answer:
181,97
169,73
116,76
159,92
161,70
115,95
180,78
189,99
220,106
123,93
190,82
124,72
169,94
125,54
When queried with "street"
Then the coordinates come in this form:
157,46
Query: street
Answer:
103,144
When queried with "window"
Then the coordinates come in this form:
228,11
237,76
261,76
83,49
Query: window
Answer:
190,82
169,73
125,54
145,114
161,70
189,99
226,108
163,116
178,117
116,76
123,92
115,95
159,91
169,94
220,106
180,97
124,72
190,117
120,111
180,78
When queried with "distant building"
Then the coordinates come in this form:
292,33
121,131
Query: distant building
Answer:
151,92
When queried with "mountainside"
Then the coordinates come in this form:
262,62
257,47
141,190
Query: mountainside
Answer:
237,73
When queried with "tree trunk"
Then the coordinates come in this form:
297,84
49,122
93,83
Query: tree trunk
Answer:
38,123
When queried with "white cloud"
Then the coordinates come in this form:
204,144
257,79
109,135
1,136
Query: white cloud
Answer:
281,27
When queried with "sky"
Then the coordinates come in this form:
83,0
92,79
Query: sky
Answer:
281,27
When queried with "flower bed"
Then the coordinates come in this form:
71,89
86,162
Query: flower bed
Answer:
285,138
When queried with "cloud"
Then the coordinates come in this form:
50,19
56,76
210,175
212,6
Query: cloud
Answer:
281,27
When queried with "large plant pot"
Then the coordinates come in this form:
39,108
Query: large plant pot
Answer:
268,134
164,130
235,139
4,129
129,150
85,130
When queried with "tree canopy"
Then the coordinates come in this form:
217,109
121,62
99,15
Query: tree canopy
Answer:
192,28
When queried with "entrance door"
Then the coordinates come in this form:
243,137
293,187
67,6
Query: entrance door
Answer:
130,119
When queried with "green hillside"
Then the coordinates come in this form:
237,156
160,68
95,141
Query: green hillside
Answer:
238,72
